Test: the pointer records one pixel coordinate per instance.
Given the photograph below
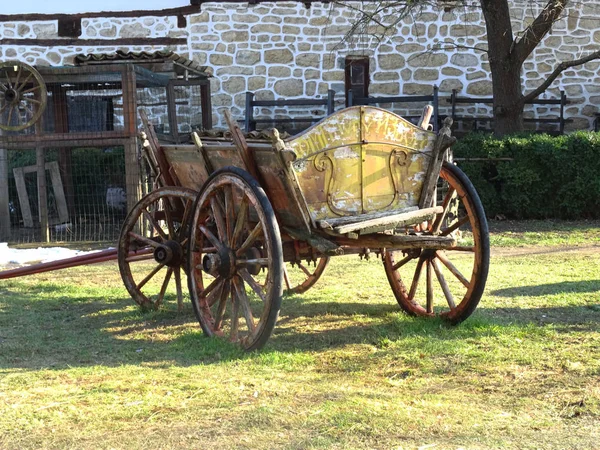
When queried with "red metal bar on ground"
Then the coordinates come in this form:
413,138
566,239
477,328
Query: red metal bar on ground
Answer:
90,258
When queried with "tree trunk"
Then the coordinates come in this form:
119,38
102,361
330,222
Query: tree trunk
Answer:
504,67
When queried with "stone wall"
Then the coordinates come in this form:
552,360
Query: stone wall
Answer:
287,50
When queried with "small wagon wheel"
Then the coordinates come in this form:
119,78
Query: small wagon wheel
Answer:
460,271
235,259
152,257
300,276
23,96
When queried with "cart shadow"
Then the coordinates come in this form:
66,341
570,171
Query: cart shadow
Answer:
564,287
39,328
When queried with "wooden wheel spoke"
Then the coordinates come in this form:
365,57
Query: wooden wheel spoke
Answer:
10,86
222,305
238,284
155,225
149,276
286,278
211,237
29,109
17,79
429,288
10,110
215,294
184,221
3,87
164,286
254,234
31,100
446,207
263,262
145,240
443,283
178,288
25,81
455,226
219,220
33,89
235,315
206,292
452,268
257,288
240,221
402,262
304,269
229,211
168,217
4,107
416,276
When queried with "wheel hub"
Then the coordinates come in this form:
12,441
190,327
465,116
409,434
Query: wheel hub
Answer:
10,95
170,253
219,264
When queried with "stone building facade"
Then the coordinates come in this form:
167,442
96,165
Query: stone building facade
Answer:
290,50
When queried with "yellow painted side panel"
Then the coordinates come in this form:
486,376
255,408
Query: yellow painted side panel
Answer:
361,160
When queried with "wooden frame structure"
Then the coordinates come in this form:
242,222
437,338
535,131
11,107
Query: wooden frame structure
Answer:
125,73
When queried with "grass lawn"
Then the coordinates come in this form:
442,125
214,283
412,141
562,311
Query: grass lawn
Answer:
82,367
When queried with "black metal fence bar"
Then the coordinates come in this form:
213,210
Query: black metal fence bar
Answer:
433,99
250,122
562,101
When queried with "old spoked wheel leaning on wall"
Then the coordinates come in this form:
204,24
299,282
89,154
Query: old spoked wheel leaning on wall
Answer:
23,96
447,283
153,244
235,259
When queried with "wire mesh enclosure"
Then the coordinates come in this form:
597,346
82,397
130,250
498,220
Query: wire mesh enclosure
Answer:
70,166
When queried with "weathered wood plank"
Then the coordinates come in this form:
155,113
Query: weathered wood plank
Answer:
23,197
391,222
240,142
443,142
329,224
397,242
59,192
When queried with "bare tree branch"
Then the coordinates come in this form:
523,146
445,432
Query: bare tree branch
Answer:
535,32
559,69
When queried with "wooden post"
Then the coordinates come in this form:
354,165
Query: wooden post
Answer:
61,125
40,155
4,201
40,158
172,112
206,106
132,168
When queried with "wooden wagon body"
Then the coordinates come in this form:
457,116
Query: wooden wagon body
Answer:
230,214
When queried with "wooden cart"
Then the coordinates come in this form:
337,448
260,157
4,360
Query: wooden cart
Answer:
232,214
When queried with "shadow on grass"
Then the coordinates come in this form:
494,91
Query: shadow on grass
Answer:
45,326
564,287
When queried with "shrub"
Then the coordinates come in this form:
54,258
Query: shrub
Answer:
548,177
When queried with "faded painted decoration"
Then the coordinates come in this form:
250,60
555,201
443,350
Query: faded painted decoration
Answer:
361,160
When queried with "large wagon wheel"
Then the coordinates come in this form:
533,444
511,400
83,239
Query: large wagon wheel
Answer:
153,243
460,271
300,276
23,96
235,259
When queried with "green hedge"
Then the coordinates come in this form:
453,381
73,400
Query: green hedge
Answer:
548,177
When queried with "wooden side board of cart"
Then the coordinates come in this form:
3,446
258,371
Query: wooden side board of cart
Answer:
235,217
